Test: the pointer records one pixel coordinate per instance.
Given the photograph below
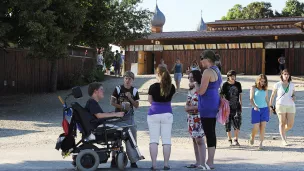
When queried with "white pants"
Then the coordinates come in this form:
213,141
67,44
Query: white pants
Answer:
160,125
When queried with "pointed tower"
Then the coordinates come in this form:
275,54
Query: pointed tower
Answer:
202,25
158,21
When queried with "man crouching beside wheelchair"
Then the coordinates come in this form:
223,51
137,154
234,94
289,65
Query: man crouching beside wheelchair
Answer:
124,98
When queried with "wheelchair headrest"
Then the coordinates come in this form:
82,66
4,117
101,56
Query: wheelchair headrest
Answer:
84,118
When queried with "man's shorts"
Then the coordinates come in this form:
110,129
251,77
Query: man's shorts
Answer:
235,119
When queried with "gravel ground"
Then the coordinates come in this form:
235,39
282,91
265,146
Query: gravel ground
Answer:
30,125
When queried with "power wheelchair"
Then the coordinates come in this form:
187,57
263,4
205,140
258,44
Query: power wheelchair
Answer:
99,137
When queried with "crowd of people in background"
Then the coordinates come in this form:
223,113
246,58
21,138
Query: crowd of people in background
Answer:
202,105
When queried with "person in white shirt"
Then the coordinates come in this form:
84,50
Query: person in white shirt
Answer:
100,60
284,103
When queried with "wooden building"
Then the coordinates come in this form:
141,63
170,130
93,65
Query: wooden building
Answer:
247,46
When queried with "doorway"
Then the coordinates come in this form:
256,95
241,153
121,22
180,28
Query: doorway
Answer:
272,65
149,63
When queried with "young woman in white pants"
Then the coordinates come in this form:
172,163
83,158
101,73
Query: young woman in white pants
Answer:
160,117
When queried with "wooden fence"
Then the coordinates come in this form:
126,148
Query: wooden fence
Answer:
19,74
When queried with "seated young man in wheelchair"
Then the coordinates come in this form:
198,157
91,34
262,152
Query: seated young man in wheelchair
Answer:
96,127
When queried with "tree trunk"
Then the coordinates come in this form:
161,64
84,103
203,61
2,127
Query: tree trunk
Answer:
54,73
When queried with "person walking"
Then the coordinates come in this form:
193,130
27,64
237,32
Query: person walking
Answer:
117,60
282,61
284,103
160,116
194,122
209,100
162,63
232,91
260,108
178,73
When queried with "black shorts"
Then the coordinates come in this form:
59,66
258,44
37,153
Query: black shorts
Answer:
235,119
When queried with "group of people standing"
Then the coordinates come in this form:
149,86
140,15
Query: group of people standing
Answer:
202,106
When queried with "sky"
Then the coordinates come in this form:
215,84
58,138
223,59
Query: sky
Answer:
184,15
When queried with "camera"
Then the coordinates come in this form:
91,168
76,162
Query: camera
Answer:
273,109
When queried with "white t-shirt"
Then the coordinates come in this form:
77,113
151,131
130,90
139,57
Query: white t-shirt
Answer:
286,99
99,59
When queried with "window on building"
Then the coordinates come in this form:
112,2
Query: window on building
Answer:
148,47
139,47
222,46
270,45
257,45
189,47
245,45
178,47
158,48
168,47
282,44
233,46
200,46
296,44
130,48
210,46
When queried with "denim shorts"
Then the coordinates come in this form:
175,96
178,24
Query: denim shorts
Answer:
262,115
178,76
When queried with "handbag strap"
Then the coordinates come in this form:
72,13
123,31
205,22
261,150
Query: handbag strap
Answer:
284,92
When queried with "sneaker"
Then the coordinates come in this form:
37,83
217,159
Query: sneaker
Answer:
230,142
134,165
113,163
236,142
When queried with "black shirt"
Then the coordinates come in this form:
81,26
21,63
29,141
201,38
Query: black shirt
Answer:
93,107
120,94
154,91
232,93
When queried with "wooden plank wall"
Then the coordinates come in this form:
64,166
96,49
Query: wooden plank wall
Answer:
295,61
24,75
247,61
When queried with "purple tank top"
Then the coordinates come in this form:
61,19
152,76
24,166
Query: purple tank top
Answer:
208,103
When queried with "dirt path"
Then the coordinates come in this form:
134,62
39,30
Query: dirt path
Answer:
30,125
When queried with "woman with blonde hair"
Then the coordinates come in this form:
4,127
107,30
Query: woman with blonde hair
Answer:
284,103
260,108
160,116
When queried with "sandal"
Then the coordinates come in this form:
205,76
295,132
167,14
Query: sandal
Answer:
152,168
192,166
167,168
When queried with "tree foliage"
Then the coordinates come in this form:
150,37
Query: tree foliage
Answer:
293,8
257,10
253,10
48,27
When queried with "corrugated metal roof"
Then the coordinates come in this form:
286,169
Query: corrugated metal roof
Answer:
263,20
236,33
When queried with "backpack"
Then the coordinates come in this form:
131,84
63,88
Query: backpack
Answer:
224,111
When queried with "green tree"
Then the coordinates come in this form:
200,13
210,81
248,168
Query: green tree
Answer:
48,27
293,8
113,21
234,13
253,10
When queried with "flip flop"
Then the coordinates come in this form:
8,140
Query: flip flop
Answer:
201,167
192,166
208,167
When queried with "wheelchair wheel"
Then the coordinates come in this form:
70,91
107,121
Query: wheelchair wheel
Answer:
87,160
122,160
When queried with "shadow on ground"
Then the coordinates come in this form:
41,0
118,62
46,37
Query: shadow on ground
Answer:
144,165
